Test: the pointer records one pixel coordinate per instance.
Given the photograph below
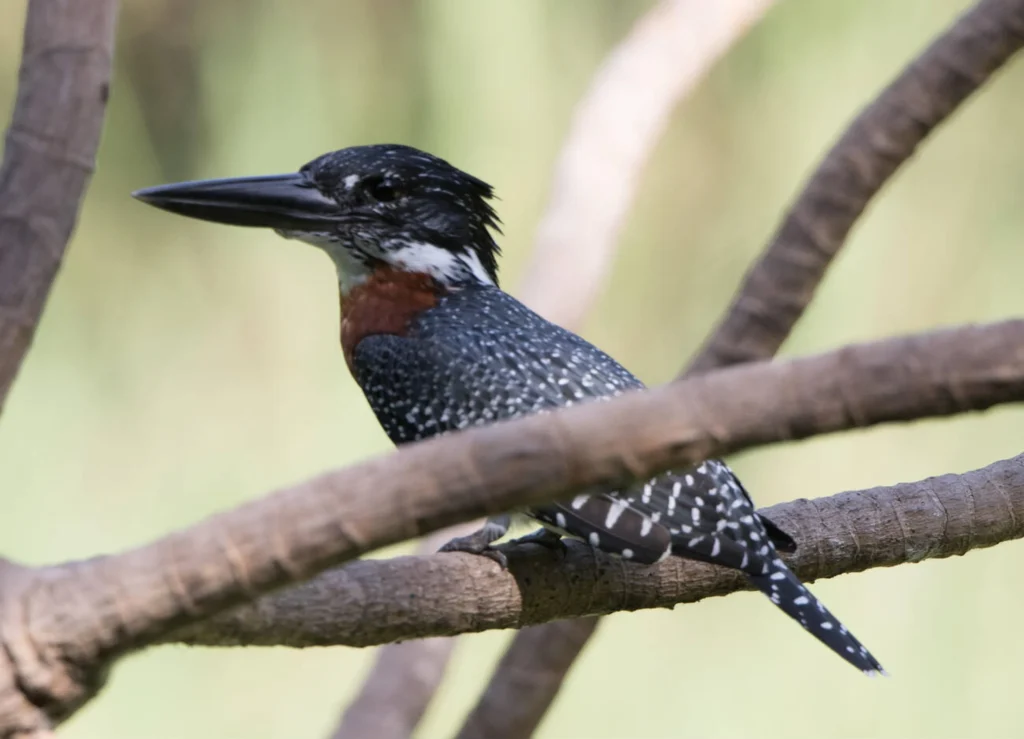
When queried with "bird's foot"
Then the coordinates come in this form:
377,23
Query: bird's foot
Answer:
543,537
479,542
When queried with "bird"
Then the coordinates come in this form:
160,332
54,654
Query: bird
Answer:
437,346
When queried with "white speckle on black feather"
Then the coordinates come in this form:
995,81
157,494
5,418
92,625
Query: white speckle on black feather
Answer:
481,356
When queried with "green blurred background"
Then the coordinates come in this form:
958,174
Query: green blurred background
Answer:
182,368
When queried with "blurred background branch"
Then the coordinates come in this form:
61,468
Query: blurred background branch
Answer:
780,286
49,155
48,159
404,677
614,129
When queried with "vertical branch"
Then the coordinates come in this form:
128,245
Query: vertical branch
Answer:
614,130
49,157
778,288
528,678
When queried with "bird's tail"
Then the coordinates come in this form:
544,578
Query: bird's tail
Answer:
792,596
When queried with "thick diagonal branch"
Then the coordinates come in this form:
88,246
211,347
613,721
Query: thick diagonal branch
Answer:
781,284
379,601
61,632
48,158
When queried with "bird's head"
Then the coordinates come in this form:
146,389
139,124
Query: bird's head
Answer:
368,207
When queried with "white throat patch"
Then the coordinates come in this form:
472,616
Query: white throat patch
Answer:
451,269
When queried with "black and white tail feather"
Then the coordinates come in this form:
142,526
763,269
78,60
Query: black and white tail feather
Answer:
705,515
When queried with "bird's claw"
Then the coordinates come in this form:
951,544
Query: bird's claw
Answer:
479,545
546,538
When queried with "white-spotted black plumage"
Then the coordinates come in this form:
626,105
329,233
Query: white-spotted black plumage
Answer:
469,354
481,356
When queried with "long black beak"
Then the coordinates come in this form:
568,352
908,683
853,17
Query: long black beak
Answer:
286,202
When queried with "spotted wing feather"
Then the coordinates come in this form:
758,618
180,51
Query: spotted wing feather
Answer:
480,357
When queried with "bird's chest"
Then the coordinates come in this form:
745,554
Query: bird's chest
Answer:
473,358
384,305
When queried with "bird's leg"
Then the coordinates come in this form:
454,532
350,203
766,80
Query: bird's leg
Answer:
479,542
544,537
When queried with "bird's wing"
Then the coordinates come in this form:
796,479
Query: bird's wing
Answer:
425,385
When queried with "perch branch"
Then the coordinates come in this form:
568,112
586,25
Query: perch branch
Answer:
378,601
61,632
404,676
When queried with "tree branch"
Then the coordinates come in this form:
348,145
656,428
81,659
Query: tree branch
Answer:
378,601
404,677
528,678
780,285
60,633
614,130
48,158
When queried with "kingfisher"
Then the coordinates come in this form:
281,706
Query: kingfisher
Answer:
437,346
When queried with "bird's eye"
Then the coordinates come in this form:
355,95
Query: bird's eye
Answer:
381,191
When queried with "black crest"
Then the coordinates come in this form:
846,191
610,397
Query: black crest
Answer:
411,194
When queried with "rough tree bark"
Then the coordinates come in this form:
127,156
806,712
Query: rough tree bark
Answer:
457,593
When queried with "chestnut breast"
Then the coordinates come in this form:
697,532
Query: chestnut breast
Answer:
385,304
